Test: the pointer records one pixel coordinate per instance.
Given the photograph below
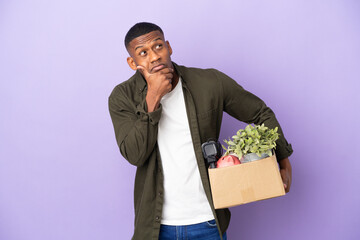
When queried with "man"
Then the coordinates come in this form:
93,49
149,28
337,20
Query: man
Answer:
161,116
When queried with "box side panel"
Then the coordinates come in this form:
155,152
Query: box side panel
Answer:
246,183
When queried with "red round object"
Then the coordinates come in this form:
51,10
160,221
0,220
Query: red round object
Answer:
226,161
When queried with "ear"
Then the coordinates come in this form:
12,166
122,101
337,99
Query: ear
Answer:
169,47
131,63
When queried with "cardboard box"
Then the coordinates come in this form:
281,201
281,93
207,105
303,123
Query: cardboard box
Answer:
246,182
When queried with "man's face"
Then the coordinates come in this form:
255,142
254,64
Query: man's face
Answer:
150,51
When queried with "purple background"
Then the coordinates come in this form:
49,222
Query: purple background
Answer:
61,174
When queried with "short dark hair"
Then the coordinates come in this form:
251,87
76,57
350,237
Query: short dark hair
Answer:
140,29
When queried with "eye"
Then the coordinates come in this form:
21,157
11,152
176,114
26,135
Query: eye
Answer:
142,53
158,46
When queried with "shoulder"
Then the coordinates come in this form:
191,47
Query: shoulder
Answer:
206,78
198,72
128,94
126,89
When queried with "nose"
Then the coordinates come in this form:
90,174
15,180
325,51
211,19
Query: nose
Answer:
154,57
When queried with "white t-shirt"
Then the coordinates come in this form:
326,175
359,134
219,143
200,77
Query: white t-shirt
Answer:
185,201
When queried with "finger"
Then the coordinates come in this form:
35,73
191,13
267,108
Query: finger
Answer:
284,178
169,76
143,70
169,88
166,70
288,185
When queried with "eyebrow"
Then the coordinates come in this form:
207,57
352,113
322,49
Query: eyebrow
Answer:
159,38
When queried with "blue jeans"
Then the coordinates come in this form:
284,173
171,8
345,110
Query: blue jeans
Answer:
200,231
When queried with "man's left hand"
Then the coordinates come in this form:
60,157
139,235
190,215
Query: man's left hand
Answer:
285,171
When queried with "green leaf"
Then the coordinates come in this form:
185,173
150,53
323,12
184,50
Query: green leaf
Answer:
258,139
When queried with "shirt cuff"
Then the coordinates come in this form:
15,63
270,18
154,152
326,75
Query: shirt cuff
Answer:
153,117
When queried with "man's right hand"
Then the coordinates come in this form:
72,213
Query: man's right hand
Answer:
159,84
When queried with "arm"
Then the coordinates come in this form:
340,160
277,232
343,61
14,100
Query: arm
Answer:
135,132
248,108
286,173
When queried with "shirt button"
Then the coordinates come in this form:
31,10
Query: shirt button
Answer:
157,218
160,194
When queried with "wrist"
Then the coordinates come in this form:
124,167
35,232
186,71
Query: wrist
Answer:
152,101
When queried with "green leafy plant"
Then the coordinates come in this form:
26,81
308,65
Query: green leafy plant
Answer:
257,139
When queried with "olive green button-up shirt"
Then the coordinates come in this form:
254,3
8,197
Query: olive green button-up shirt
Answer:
207,93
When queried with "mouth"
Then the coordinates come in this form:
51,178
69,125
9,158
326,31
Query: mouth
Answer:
157,68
